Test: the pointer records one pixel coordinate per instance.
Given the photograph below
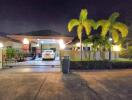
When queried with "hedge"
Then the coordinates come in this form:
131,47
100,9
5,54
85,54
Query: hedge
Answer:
87,65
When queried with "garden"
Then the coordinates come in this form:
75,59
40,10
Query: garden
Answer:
105,35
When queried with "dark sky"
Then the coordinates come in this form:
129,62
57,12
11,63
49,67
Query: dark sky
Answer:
30,15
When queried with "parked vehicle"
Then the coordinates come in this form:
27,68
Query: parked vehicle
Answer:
48,54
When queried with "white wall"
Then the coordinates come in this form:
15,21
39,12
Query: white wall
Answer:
13,44
0,58
76,54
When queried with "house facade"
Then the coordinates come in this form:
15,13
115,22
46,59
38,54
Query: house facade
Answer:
35,42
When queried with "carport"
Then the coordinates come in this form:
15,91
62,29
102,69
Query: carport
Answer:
37,43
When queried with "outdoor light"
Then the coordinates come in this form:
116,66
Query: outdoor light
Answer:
25,41
1,45
78,44
110,39
37,45
116,48
1,56
61,44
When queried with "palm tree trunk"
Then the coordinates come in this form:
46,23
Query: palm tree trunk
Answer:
94,55
110,47
88,52
81,48
110,53
100,52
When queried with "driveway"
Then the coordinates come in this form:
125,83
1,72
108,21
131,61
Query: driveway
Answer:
35,66
90,85
33,69
37,62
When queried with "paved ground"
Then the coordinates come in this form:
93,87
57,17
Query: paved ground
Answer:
37,62
33,69
36,66
92,85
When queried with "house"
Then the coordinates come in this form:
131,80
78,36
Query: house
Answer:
37,41
40,40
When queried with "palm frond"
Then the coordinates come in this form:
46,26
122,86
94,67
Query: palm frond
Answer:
105,24
122,28
83,14
100,23
113,17
115,35
87,27
72,23
92,23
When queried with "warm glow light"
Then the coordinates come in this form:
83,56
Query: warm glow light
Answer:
61,44
78,44
25,41
110,39
116,48
1,45
37,45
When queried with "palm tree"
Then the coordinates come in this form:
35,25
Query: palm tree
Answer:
87,42
100,43
113,29
83,23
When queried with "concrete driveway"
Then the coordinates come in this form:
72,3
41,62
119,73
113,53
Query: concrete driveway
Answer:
36,63
93,85
33,69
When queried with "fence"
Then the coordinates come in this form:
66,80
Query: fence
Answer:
89,55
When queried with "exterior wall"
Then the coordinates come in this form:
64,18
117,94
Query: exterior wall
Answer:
13,44
0,58
75,55
7,42
46,46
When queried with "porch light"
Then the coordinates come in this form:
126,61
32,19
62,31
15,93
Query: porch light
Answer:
25,41
116,48
37,45
62,44
1,45
110,39
78,44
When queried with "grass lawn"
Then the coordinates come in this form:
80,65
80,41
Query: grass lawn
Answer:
122,60
116,60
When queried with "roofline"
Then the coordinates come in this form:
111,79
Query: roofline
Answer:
10,39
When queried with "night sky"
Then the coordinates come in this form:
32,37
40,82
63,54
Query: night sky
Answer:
31,15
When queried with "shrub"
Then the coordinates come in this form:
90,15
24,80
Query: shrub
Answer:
87,65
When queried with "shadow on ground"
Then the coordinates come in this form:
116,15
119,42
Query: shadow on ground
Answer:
98,85
78,88
66,87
